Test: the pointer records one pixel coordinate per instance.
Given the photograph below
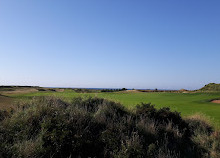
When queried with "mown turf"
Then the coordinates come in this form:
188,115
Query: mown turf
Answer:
186,103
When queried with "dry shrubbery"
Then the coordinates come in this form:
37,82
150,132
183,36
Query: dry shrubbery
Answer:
204,135
94,127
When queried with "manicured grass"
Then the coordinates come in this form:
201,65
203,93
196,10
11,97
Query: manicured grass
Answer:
186,103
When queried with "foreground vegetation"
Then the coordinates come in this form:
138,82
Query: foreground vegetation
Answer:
94,127
186,103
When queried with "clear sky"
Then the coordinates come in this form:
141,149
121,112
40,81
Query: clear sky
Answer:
165,44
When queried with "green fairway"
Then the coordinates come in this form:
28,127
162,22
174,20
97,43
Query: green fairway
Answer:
186,103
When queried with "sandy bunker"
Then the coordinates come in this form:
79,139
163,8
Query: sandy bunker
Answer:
216,101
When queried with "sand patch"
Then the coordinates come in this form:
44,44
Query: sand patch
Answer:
216,101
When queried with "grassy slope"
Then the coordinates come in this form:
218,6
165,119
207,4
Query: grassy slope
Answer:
186,103
211,87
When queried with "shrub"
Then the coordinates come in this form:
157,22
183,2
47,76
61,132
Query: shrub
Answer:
95,127
83,90
41,89
3,114
204,135
199,123
113,90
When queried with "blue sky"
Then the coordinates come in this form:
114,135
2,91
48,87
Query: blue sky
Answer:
119,43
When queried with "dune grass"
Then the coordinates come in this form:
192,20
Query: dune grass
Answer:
5,102
186,103
96,127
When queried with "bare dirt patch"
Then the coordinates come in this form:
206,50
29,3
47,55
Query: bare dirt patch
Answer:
216,101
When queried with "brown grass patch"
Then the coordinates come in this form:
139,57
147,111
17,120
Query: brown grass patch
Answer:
132,91
6,103
201,117
19,91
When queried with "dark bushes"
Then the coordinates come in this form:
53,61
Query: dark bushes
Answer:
41,89
94,127
83,90
113,90
3,114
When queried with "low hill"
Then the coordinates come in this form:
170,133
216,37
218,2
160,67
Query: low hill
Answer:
211,87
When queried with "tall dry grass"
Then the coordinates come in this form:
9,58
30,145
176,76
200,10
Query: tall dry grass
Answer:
95,127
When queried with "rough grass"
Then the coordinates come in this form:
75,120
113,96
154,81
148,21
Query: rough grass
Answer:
211,87
186,103
6,103
95,127
204,135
